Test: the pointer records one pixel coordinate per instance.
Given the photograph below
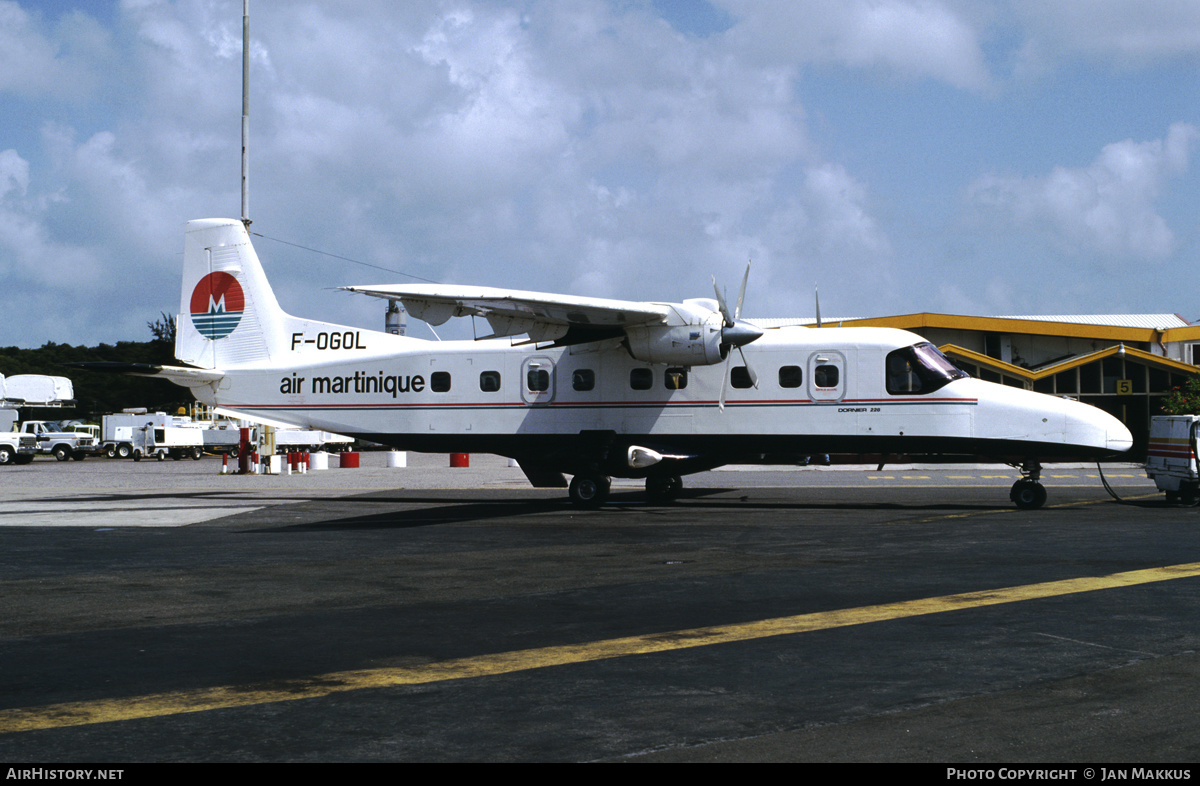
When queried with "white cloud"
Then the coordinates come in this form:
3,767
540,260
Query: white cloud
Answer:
14,173
913,38
1107,207
585,146
32,260
465,142
1127,31
60,61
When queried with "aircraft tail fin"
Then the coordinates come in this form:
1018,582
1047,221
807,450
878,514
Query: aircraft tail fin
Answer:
228,314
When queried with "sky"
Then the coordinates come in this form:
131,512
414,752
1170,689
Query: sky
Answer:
989,157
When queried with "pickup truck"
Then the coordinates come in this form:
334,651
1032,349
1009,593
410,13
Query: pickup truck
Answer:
53,439
15,447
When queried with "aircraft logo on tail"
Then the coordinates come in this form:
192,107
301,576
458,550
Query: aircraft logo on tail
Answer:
217,305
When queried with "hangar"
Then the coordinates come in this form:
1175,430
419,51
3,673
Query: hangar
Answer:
1124,364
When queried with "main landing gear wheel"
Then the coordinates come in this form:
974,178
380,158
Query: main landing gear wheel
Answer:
663,488
1028,494
589,491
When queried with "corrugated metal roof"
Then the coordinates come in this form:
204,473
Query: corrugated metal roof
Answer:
1146,321
774,322
1140,321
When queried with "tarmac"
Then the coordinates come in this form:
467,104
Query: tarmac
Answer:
165,612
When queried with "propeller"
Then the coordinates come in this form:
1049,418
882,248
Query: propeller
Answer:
735,333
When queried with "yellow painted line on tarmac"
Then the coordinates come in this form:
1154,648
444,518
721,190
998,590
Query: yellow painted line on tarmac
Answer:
229,696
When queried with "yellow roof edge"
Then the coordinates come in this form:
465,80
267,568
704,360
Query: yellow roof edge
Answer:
1066,365
1181,333
1026,326
980,359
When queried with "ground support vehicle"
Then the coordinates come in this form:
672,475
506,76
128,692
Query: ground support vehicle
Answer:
1171,458
38,390
15,447
224,439
290,440
175,442
63,444
286,440
117,430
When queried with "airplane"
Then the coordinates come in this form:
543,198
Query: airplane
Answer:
597,388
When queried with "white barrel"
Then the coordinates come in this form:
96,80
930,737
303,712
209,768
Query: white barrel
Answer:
397,458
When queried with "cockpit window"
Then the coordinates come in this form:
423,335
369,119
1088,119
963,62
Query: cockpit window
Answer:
918,370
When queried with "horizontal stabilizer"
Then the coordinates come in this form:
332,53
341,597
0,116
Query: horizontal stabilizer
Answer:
180,375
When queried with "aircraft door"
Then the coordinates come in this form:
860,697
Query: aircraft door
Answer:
826,376
537,380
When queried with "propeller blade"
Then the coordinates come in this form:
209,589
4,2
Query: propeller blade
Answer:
721,304
724,383
735,333
749,369
737,311
817,298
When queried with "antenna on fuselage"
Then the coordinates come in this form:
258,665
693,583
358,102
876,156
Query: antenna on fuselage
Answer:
245,112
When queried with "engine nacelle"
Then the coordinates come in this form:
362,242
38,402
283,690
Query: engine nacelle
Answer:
682,345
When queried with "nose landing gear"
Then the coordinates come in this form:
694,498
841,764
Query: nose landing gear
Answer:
1028,493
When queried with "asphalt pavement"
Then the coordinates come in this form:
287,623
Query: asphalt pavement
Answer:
166,612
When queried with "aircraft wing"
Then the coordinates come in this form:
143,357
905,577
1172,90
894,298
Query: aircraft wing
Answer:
511,312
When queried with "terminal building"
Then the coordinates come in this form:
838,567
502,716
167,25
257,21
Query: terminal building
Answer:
1124,364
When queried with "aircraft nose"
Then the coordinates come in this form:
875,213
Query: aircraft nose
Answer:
1092,427
1107,432
1119,438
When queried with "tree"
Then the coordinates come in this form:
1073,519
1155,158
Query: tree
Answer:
163,328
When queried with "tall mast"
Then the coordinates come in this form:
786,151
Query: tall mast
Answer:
245,111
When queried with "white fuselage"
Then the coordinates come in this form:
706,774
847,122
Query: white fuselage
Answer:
819,391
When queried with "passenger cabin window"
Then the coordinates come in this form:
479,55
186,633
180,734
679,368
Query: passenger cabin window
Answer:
739,378
537,380
791,377
919,370
641,379
489,381
675,378
583,379
826,376
439,382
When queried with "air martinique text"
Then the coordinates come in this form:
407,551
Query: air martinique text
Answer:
360,382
